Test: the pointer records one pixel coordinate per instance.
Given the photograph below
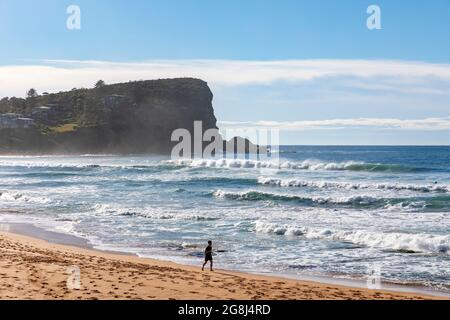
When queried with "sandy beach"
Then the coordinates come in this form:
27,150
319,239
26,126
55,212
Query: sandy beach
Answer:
31,268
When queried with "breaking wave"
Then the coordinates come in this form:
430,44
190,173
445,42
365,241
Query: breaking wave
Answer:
393,241
290,165
313,165
365,201
253,195
353,186
76,167
18,198
151,213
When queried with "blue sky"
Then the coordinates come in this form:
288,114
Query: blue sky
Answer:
325,63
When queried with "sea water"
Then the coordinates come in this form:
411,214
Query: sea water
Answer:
333,211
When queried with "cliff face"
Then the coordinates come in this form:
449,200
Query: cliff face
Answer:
135,117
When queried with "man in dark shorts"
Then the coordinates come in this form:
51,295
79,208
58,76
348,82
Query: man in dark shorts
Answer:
208,256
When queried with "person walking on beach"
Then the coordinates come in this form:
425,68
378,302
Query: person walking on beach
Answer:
208,256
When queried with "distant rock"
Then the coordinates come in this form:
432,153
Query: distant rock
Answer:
242,145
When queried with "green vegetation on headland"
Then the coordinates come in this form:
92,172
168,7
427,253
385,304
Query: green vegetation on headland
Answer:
133,117
68,127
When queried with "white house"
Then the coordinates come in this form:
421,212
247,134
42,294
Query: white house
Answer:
25,122
14,121
41,112
114,100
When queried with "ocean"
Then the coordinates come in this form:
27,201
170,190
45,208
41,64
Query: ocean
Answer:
338,212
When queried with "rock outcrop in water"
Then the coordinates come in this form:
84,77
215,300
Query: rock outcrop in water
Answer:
125,118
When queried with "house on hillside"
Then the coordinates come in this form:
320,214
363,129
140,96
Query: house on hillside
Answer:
48,113
115,100
25,123
8,120
15,121
40,113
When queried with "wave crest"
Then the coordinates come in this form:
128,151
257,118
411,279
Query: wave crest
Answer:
358,201
352,186
18,197
394,241
253,195
313,165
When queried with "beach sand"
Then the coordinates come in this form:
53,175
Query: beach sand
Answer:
35,269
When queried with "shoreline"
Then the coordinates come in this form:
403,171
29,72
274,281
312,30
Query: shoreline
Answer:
79,250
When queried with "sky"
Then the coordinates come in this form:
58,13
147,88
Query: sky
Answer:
311,69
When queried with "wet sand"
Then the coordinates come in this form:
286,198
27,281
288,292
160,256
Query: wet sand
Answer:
31,268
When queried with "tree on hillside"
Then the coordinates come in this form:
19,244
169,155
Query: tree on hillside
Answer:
99,84
32,93
138,93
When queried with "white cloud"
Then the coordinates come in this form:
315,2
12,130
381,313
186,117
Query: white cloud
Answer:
428,124
56,75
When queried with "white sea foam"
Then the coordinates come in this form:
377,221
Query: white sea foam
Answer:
110,210
225,163
39,164
352,185
310,164
313,165
20,198
254,195
244,163
271,228
152,213
394,241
